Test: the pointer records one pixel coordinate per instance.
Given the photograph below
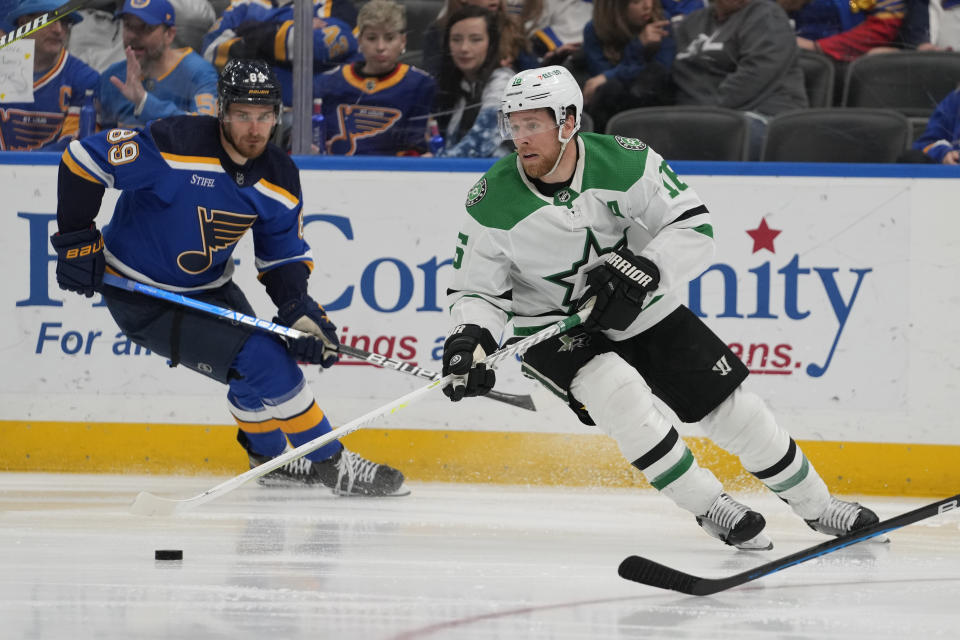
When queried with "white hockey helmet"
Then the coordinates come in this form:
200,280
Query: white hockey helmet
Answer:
547,87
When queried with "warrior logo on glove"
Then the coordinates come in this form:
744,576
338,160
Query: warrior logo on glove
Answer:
620,285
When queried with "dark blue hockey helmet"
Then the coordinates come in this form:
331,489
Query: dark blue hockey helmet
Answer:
249,82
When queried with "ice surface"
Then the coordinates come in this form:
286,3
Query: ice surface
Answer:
449,561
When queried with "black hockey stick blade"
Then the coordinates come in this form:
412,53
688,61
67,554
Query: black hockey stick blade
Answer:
654,574
43,20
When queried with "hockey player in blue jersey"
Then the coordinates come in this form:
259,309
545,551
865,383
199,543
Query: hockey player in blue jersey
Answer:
60,81
191,187
155,81
377,105
264,29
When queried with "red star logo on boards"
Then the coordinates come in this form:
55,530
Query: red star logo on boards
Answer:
763,236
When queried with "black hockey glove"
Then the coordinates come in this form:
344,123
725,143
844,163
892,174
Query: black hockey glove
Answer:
321,344
620,285
464,348
80,260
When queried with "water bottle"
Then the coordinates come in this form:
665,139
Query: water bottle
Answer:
436,140
88,116
319,127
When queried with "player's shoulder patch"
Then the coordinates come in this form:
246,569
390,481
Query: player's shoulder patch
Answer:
477,192
500,199
613,162
633,144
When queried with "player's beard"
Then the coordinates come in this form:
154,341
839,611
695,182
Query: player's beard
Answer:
538,167
248,146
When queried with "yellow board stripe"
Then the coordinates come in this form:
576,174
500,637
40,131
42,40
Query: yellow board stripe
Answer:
497,457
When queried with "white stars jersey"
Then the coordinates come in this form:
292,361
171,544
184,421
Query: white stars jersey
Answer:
521,256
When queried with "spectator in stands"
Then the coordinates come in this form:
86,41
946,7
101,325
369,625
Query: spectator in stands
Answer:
512,40
628,52
155,81
98,40
194,18
944,26
377,105
929,25
739,54
940,143
844,30
264,29
60,82
555,28
472,79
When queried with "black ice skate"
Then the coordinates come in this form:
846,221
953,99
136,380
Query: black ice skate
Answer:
842,517
346,473
735,524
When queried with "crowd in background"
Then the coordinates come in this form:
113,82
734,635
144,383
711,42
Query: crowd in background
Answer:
140,60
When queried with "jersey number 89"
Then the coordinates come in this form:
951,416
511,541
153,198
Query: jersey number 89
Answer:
123,150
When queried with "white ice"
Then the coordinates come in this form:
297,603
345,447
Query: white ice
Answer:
448,561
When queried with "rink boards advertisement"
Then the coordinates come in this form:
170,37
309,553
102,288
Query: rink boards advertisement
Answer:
837,292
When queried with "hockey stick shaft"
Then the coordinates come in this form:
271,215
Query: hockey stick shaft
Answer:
147,504
152,505
654,574
43,20
522,401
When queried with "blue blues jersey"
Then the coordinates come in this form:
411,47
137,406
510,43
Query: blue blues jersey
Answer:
52,119
262,29
190,87
185,204
375,115
942,134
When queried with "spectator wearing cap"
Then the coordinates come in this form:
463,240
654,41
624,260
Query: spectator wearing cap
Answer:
50,120
155,81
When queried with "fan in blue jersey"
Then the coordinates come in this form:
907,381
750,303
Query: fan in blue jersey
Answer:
191,187
264,29
378,105
940,142
60,81
155,81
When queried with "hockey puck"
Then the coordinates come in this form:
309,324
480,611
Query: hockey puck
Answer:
168,554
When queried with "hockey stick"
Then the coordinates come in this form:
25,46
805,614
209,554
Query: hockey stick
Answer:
43,20
521,401
148,504
654,574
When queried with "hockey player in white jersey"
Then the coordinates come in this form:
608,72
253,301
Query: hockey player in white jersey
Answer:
573,217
